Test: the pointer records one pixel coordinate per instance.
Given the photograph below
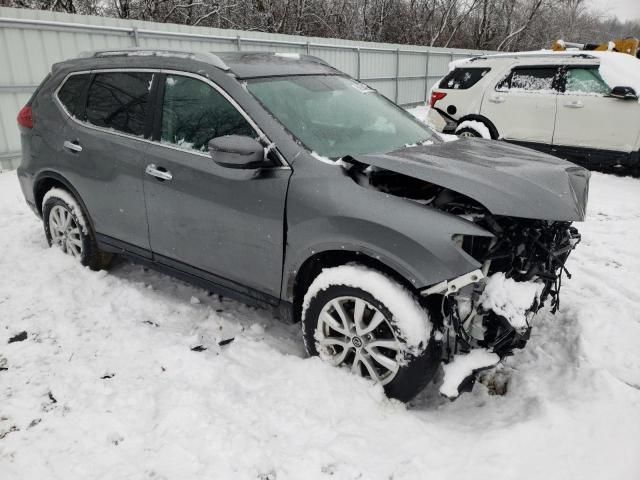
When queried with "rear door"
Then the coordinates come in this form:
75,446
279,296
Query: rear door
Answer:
522,106
206,219
103,145
589,118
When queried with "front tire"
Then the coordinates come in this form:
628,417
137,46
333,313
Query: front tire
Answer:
358,318
66,226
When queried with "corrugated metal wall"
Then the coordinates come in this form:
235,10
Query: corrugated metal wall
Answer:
32,40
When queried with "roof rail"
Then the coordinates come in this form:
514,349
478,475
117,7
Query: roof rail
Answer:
205,57
548,54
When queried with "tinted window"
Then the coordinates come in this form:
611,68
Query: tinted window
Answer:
119,101
193,113
586,80
71,93
462,78
530,79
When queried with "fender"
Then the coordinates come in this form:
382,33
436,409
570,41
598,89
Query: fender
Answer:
409,238
53,175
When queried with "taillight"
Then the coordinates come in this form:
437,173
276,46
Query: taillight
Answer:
25,117
435,96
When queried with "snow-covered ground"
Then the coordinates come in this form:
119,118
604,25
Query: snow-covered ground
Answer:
106,384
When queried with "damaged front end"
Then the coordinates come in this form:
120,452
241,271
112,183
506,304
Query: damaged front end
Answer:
522,270
482,316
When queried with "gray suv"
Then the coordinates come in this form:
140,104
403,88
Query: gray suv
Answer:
282,182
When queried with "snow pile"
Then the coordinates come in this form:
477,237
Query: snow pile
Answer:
293,56
106,384
322,158
464,365
408,316
479,127
509,298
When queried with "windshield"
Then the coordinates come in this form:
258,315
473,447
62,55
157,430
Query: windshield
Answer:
336,116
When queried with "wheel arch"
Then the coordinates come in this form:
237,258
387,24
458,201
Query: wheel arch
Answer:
47,180
311,267
481,118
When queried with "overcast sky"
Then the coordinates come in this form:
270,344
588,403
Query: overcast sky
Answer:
623,9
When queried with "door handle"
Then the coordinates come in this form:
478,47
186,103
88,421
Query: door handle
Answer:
74,146
158,172
576,104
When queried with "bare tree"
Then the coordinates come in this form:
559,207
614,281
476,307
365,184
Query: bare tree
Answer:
481,24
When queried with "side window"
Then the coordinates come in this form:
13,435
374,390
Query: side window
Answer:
530,79
119,100
585,80
462,78
193,113
71,92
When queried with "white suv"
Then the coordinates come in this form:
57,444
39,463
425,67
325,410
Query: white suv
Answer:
578,106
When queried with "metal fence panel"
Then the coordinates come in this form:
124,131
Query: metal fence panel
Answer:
32,40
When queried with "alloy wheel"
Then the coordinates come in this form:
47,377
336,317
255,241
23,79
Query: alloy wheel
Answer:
353,333
467,134
65,231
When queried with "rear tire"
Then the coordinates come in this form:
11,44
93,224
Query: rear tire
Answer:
346,325
66,226
468,132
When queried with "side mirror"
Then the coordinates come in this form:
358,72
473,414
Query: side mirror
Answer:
236,151
624,93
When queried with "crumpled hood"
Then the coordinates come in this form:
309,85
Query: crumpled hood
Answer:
507,179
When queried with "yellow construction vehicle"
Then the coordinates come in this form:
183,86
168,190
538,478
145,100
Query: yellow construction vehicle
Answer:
623,45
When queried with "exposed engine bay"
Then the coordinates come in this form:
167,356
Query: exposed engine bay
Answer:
522,268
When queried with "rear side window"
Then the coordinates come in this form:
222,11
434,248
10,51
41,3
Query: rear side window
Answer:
119,100
530,79
71,93
193,113
463,78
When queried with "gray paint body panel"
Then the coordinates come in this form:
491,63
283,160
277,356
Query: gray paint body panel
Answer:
327,210
256,232
505,178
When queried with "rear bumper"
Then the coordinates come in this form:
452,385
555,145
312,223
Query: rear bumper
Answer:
26,185
441,121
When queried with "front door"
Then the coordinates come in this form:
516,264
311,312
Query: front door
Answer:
589,118
523,105
201,217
